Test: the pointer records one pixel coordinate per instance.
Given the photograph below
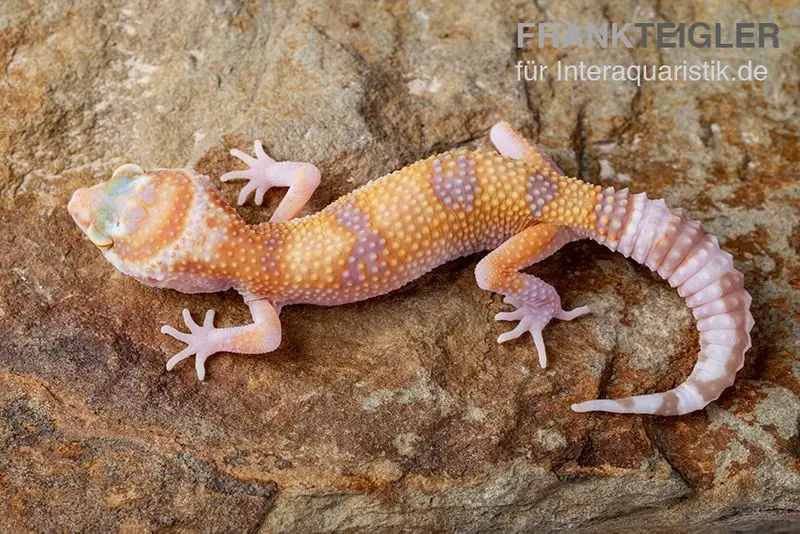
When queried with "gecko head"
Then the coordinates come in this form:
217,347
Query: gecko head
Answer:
139,220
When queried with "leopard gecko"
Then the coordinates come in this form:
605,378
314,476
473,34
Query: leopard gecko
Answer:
171,228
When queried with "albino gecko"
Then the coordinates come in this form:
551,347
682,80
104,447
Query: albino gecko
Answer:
172,229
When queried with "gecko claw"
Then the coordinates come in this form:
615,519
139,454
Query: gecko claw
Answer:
201,341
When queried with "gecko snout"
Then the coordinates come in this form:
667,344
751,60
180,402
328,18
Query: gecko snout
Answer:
83,206
79,208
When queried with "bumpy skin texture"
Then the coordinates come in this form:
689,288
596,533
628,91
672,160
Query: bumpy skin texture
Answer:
171,229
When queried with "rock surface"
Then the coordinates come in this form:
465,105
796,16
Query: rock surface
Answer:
401,411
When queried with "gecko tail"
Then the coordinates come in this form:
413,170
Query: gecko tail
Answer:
703,274
677,401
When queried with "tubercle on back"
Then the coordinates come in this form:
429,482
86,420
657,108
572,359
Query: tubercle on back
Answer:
227,247
550,195
573,203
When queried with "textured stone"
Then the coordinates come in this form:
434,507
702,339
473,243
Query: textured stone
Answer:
401,411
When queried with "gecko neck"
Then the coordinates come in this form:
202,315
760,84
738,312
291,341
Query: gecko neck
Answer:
255,262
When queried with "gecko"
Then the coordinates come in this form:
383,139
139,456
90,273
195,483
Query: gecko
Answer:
171,228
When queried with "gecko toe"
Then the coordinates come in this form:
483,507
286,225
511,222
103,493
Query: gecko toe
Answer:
179,357
177,334
249,160
572,314
515,315
234,175
200,366
520,329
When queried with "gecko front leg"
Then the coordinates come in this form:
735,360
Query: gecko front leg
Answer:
263,335
302,180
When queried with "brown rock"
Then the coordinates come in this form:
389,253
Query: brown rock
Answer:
402,411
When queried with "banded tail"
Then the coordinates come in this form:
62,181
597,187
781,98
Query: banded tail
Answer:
691,261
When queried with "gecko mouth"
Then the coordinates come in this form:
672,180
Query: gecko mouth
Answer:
102,245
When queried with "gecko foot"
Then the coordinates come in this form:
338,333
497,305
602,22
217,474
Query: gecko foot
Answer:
201,340
536,306
258,175
264,173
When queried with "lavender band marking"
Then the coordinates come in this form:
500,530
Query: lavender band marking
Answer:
539,191
454,182
368,246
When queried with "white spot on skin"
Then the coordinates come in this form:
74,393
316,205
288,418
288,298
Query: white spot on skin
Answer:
351,217
132,216
540,191
456,191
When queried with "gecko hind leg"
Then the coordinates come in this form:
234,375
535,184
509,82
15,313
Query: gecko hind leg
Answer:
302,179
512,144
536,301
